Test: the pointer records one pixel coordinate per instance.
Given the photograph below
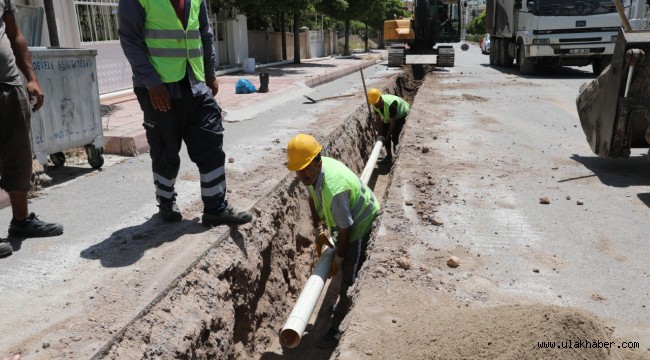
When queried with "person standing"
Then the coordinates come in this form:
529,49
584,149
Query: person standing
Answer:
15,142
390,117
341,202
169,46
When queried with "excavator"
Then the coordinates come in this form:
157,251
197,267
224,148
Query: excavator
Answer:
411,41
614,109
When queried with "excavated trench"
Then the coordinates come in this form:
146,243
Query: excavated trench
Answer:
233,300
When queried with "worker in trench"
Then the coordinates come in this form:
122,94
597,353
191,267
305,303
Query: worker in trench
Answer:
390,117
340,204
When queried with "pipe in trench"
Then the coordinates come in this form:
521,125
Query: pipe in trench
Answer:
372,160
293,329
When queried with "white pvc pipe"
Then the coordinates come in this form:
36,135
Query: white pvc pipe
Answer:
372,161
291,333
293,329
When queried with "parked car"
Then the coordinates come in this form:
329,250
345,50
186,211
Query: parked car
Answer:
485,44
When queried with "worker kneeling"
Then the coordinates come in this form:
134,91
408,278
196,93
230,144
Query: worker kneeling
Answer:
390,117
340,200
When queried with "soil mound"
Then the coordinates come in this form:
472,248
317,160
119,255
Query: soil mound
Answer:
504,333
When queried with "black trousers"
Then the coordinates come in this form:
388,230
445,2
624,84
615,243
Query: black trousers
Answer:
197,121
397,130
355,256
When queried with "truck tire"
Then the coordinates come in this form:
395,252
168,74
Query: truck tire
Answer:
493,53
496,49
505,59
526,66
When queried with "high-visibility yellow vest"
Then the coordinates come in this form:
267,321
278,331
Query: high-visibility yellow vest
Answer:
171,46
403,107
364,207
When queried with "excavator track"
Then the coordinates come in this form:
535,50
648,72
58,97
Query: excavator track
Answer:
445,56
396,56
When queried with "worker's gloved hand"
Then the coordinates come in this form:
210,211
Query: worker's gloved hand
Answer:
336,265
321,239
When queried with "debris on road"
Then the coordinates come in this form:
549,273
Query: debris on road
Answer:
453,262
404,263
544,200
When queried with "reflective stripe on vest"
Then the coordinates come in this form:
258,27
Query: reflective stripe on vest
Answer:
171,46
402,107
364,207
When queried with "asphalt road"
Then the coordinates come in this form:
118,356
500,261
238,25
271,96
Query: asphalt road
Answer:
514,139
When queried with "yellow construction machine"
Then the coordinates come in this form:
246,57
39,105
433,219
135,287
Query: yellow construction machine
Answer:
614,109
412,41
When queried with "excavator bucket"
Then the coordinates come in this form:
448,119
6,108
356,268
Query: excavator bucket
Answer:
614,109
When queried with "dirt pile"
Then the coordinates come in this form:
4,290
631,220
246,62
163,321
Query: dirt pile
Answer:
520,332
505,332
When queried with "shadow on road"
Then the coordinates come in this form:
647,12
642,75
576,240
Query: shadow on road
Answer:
548,72
634,171
126,246
645,198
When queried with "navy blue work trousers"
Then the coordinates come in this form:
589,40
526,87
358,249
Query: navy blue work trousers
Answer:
197,121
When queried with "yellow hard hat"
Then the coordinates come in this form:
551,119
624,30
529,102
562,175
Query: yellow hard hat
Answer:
302,149
373,96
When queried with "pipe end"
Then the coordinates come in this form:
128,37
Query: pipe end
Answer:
289,338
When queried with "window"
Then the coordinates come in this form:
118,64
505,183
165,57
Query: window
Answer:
97,20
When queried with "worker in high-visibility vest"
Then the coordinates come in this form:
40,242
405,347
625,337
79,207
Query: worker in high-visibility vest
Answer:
390,117
340,204
169,46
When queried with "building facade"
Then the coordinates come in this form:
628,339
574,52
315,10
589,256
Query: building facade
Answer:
93,24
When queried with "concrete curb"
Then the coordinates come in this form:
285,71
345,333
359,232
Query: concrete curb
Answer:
132,145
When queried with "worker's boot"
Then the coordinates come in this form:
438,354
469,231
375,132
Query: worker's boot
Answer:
264,83
5,249
330,339
33,227
169,211
225,216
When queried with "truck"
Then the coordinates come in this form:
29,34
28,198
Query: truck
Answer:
414,40
552,32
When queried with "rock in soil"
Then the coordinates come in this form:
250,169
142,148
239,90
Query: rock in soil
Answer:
453,262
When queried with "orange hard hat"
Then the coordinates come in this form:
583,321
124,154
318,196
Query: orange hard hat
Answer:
302,149
373,96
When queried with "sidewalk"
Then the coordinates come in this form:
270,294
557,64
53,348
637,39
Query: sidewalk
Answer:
122,117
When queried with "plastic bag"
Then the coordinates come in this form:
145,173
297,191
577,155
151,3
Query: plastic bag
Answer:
244,86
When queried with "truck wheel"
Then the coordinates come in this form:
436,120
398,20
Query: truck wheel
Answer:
505,59
496,48
493,54
526,66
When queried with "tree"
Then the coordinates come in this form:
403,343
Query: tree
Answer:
477,26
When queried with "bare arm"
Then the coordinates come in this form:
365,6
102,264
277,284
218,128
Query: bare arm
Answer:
23,60
315,219
342,241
